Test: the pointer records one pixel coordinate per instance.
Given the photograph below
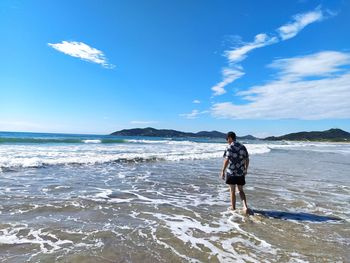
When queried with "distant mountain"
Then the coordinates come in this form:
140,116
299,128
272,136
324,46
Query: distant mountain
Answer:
151,132
328,135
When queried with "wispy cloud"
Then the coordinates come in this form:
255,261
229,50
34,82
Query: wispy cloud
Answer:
193,115
196,101
240,53
234,71
229,76
143,122
310,88
300,21
320,64
82,51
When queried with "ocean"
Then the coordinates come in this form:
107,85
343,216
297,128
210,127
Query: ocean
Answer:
92,198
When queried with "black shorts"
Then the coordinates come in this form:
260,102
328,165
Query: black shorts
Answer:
239,180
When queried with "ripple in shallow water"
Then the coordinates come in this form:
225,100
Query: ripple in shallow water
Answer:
171,212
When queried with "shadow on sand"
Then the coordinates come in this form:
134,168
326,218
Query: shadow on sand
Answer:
296,216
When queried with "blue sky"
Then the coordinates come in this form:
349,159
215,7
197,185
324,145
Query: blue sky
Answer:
255,67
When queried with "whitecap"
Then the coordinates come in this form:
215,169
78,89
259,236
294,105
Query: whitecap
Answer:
92,141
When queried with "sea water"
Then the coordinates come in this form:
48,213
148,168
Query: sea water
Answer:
90,198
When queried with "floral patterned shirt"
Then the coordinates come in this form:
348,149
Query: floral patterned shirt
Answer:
236,153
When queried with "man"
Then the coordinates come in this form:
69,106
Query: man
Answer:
235,168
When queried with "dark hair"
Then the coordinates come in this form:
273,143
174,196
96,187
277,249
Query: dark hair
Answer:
231,135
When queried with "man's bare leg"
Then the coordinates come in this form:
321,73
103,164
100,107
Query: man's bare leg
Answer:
243,198
233,196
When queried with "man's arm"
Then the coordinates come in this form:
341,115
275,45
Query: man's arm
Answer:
226,162
246,165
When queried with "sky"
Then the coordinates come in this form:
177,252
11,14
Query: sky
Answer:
254,67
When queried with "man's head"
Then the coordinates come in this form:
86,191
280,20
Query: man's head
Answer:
230,137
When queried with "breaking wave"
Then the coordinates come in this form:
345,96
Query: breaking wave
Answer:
56,141
93,153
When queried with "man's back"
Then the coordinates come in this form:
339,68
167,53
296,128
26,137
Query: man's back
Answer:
237,154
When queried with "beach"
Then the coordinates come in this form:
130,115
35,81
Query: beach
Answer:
81,198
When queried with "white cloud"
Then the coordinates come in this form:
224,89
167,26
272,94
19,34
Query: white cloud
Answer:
239,54
300,21
193,115
229,75
320,92
82,51
319,64
143,122
196,101
234,71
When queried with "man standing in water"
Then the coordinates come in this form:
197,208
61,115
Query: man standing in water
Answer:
235,168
